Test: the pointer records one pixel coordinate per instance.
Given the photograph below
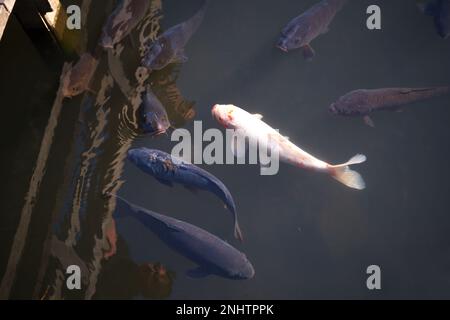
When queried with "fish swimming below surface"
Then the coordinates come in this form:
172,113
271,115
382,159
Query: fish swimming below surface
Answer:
122,21
440,11
362,102
255,129
168,170
153,116
212,255
169,46
300,31
78,78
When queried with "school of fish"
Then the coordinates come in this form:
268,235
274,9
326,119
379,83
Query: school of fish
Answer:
213,255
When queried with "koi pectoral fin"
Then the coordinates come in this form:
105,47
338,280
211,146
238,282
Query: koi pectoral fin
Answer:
368,121
180,57
308,52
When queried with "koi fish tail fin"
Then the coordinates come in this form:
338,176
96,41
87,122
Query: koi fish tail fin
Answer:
120,205
238,232
345,175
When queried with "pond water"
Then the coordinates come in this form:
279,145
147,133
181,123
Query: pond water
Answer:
306,235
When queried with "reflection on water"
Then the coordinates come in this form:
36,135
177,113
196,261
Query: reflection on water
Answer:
82,230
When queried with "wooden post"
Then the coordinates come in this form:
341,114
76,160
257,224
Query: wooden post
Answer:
6,7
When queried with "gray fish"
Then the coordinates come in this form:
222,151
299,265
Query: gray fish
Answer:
169,46
168,169
364,101
210,253
440,11
301,30
122,21
153,116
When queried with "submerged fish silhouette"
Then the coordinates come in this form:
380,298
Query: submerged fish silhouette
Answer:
212,255
79,76
122,21
168,170
440,11
362,102
300,31
169,46
153,116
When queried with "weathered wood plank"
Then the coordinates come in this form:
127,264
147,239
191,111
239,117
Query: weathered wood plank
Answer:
6,7
9,4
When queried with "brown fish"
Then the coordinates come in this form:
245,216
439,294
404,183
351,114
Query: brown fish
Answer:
362,102
300,31
77,79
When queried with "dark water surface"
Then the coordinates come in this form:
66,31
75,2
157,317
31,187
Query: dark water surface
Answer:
306,235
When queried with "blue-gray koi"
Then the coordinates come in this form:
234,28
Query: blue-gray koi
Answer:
169,46
440,11
300,31
168,170
210,253
153,116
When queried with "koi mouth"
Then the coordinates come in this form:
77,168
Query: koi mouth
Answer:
158,132
282,48
216,116
332,109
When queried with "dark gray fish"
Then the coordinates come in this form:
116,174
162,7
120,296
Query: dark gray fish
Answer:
122,21
210,253
153,116
168,170
363,101
440,11
169,46
301,30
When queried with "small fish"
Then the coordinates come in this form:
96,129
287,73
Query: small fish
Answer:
212,254
153,116
303,29
77,79
440,11
122,21
168,170
169,46
362,102
255,129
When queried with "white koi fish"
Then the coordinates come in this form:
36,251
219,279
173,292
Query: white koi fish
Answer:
254,128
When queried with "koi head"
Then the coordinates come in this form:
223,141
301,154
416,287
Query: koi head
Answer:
157,56
72,90
153,118
77,79
339,107
226,115
245,269
152,124
291,38
351,104
151,161
106,42
283,44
